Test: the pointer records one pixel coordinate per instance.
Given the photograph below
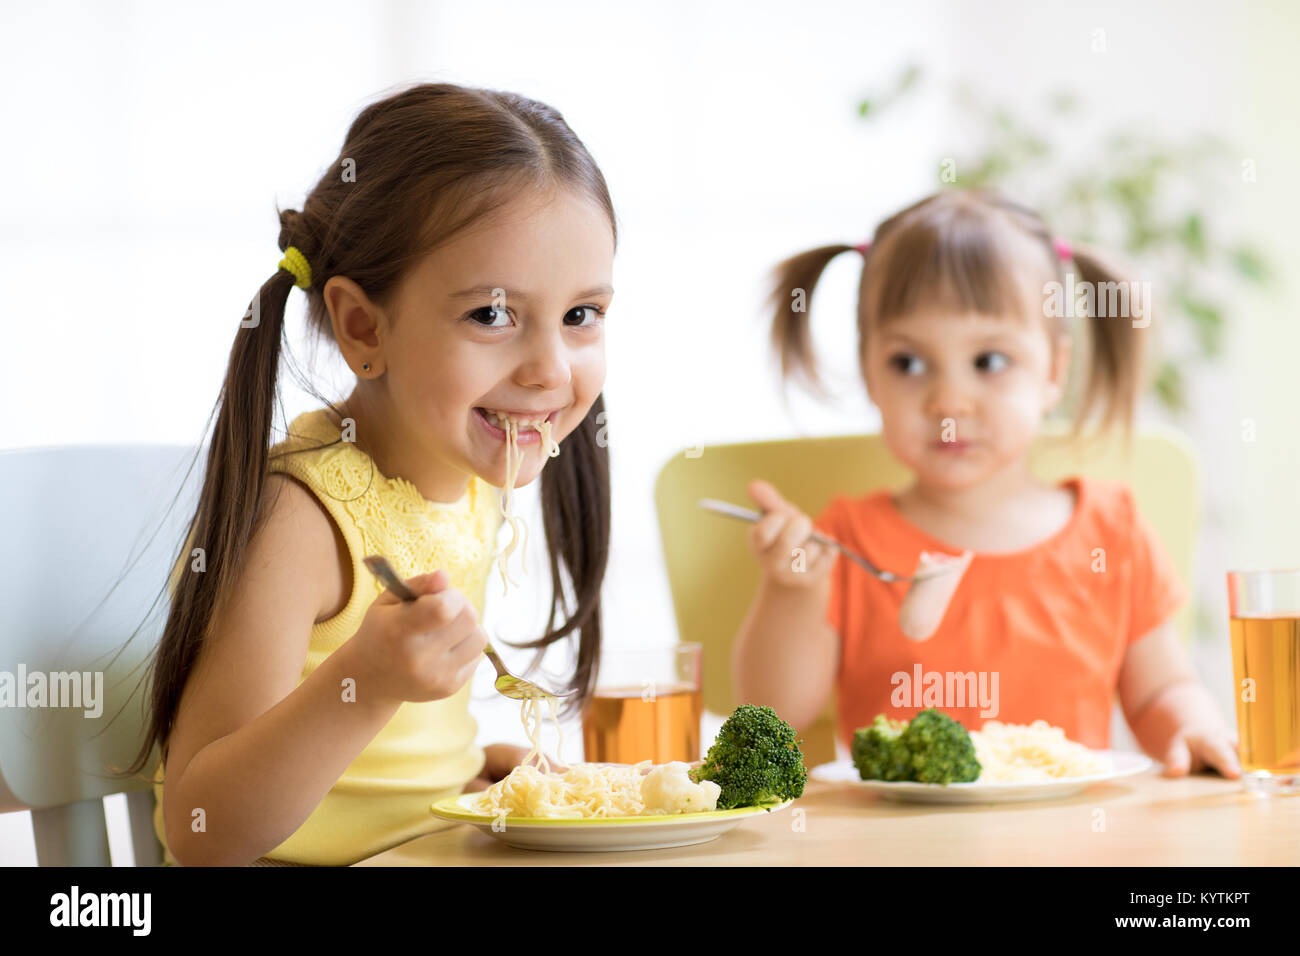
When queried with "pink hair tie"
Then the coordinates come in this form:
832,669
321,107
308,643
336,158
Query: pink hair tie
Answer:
1063,250
864,248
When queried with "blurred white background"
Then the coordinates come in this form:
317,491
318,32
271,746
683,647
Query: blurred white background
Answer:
147,143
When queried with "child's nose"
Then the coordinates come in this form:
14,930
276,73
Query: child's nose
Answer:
546,364
948,398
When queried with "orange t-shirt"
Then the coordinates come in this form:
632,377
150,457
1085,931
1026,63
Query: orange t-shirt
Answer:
1039,633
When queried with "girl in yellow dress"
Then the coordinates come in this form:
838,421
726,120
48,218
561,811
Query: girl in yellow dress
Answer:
457,254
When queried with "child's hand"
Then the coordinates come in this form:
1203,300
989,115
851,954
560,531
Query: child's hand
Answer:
1182,727
500,759
779,535
420,650
1196,749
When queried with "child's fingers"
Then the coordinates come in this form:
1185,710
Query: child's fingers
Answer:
824,558
766,496
767,529
447,608
1178,758
795,535
1218,753
466,651
430,583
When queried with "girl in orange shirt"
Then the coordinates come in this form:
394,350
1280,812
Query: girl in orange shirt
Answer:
1066,594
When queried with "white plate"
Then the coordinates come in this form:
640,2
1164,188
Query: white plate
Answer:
1125,764
601,833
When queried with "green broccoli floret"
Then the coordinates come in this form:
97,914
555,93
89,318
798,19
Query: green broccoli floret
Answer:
755,759
940,748
931,748
878,753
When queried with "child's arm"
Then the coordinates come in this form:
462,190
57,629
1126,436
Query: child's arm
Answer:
258,754
1170,712
786,654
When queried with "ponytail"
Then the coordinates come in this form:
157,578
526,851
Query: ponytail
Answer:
792,287
1117,347
229,509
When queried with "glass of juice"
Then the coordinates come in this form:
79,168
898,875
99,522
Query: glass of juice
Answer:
1264,607
647,705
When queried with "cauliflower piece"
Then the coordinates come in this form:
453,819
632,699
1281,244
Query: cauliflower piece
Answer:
926,601
669,789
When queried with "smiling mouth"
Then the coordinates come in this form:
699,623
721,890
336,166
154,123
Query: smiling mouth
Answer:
528,428
503,420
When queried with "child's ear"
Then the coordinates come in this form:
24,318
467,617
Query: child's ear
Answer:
359,324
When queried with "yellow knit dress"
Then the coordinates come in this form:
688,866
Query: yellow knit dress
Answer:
427,751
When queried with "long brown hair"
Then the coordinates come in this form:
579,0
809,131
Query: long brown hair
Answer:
415,169
966,251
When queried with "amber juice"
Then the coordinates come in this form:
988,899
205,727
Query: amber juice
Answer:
631,724
1266,664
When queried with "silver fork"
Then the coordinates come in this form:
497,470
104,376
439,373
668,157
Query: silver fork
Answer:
748,514
506,684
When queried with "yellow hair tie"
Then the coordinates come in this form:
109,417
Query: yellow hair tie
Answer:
294,261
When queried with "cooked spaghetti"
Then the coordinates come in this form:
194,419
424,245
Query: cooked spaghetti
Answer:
551,446
518,527
531,716
1037,751
588,789
584,790
513,461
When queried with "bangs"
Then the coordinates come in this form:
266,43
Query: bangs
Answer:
958,262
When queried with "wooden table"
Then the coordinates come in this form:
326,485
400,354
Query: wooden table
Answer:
1145,820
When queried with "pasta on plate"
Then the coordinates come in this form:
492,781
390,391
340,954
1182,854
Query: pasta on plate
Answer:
589,790
1037,751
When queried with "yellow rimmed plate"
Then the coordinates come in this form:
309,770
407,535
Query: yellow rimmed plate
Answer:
601,833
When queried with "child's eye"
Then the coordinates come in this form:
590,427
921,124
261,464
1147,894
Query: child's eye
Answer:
595,317
490,317
903,363
997,361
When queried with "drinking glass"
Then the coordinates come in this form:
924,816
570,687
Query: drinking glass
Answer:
647,705
1264,607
